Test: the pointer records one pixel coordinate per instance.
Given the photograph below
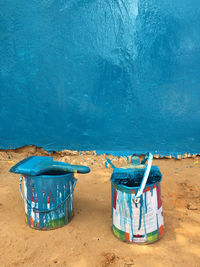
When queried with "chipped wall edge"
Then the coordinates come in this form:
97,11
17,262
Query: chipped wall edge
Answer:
32,149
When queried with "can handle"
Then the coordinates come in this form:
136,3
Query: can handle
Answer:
44,211
145,178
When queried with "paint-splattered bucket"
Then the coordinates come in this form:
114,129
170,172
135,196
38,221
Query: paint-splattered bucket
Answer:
48,199
137,215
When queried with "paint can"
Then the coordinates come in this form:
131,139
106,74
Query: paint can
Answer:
48,199
137,214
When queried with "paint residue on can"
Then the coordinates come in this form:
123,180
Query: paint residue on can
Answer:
136,221
48,200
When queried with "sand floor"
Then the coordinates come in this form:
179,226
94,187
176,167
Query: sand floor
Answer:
87,240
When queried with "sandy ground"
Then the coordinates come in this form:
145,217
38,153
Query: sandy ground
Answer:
87,240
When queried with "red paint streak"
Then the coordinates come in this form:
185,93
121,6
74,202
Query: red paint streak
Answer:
138,236
161,230
159,196
32,194
149,188
115,199
127,237
51,196
32,221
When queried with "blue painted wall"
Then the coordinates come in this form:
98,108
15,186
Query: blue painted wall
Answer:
100,74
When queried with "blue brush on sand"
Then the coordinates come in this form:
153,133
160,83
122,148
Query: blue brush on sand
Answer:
37,165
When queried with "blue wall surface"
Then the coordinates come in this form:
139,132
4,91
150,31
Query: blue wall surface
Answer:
100,74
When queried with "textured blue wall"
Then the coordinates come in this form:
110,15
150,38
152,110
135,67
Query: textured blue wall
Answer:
100,74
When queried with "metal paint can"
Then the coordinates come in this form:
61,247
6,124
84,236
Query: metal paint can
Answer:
137,214
48,200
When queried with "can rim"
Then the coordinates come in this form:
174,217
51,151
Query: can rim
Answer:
51,176
135,187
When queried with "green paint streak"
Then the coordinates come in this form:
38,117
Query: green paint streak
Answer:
152,236
55,223
119,234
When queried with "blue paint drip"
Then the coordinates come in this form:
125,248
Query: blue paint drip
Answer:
145,199
112,197
157,223
125,204
141,208
43,188
136,190
151,189
144,212
131,212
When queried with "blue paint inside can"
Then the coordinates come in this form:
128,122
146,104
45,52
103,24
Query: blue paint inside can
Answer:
133,177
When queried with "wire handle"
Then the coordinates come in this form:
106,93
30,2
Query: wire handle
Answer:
145,178
49,210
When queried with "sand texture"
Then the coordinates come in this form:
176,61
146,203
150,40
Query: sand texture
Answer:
87,240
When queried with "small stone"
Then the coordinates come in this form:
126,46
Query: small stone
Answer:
110,257
191,206
66,152
32,149
128,262
75,153
66,159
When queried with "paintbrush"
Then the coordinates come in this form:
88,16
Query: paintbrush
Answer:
37,165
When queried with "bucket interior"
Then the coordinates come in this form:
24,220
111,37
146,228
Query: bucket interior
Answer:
133,178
